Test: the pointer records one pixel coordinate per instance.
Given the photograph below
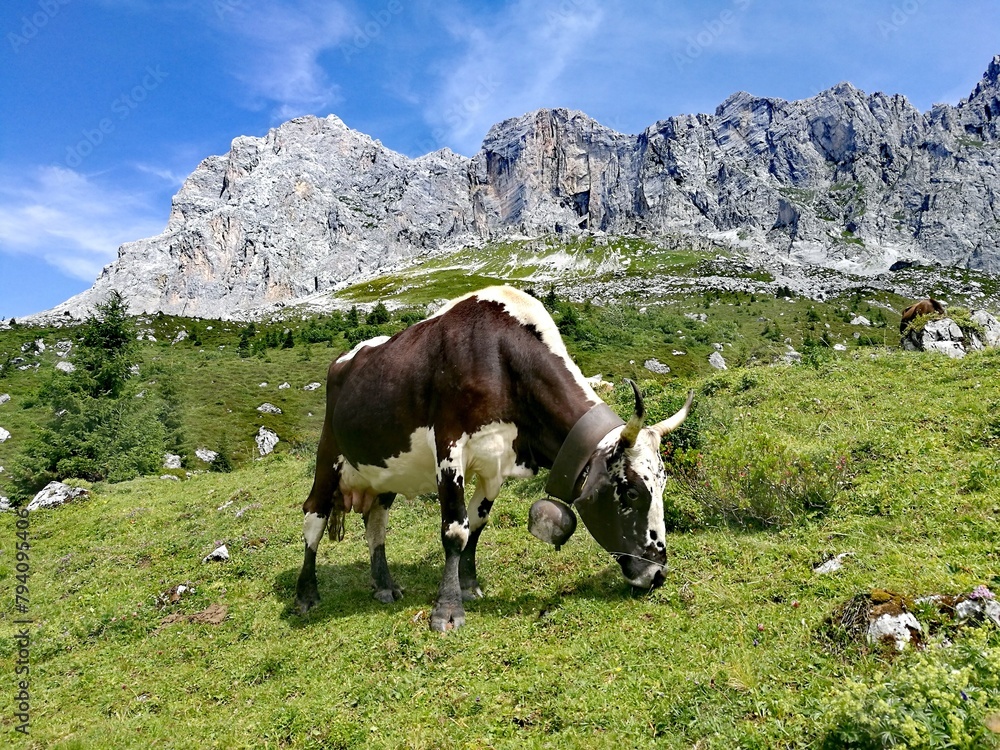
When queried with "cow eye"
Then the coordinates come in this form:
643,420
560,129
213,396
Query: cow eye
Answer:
632,494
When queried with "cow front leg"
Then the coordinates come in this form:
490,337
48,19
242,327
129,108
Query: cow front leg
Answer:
317,509
386,590
448,611
306,592
479,512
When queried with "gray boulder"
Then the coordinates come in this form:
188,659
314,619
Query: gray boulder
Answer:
55,494
219,554
716,360
947,337
206,455
655,365
990,326
266,440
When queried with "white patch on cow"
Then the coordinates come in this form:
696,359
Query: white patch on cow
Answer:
528,311
479,496
644,459
453,461
313,527
488,453
646,462
411,473
459,531
377,341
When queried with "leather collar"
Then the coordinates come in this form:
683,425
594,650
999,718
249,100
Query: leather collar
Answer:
577,448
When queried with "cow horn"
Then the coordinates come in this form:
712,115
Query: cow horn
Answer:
672,423
631,430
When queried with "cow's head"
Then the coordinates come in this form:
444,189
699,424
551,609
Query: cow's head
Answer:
621,501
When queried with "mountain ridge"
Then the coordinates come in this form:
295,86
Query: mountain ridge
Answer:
843,180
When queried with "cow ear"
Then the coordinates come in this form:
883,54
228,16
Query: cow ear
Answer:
597,477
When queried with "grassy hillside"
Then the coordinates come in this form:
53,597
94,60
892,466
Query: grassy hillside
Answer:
217,382
892,457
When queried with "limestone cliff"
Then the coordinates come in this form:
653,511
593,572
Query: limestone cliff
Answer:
844,179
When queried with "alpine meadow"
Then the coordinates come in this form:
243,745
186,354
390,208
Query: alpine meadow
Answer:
831,500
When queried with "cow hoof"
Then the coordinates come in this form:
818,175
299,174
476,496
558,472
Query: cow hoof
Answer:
306,602
388,596
472,593
445,618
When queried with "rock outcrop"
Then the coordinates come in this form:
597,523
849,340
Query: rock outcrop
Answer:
55,494
848,180
266,440
948,337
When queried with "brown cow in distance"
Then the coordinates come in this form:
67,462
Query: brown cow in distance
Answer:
923,307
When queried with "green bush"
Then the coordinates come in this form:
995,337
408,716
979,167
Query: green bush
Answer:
940,699
756,481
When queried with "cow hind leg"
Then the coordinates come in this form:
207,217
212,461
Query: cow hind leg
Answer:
448,611
386,590
479,512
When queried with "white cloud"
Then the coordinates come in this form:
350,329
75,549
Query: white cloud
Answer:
279,49
171,177
69,221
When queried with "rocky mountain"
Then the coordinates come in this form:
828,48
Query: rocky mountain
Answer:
844,180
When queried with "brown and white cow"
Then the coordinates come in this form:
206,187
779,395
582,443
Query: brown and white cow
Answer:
484,388
923,307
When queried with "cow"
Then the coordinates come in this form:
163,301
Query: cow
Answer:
484,388
923,307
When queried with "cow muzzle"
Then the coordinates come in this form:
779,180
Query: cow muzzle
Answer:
642,573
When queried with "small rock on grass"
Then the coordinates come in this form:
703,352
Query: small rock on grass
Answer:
220,554
832,565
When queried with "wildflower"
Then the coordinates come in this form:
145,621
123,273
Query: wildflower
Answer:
982,592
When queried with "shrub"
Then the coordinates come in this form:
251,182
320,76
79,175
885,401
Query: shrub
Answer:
941,698
378,315
222,462
755,481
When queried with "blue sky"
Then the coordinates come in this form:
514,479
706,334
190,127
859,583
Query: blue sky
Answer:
106,105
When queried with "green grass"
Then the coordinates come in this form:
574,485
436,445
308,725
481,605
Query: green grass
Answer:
733,651
524,263
219,390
